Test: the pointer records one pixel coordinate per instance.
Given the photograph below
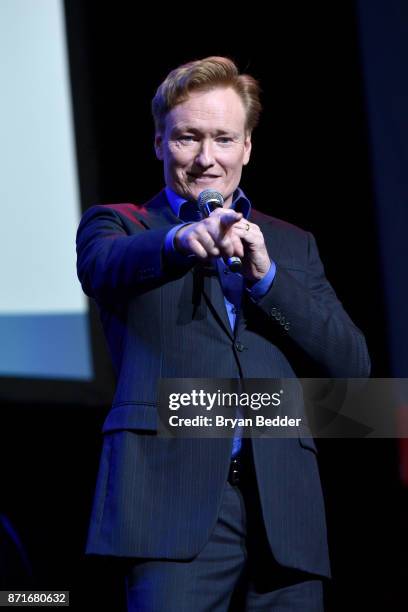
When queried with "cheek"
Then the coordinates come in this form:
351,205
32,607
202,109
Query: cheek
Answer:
178,159
234,170
233,163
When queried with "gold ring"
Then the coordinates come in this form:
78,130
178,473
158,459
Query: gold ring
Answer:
247,227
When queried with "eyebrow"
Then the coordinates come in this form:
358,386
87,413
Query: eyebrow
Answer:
192,130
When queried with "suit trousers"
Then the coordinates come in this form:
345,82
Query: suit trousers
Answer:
235,571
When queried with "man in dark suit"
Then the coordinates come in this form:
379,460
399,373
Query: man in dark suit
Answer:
208,523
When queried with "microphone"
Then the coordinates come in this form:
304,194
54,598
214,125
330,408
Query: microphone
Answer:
209,200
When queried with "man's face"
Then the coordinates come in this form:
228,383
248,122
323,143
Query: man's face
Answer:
204,144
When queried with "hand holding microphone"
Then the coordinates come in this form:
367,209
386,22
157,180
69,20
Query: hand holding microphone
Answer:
211,236
223,232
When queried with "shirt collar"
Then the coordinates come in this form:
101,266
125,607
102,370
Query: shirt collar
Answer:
240,202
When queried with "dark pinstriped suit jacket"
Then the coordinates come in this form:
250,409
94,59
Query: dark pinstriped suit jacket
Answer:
160,322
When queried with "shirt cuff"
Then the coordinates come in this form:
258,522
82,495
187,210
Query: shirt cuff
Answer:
170,252
262,286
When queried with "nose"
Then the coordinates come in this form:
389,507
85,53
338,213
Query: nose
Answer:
205,157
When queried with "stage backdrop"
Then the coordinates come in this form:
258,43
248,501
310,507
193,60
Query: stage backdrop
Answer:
43,312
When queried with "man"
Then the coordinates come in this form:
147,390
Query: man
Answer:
209,523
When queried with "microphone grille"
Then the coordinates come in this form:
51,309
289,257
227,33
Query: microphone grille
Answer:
209,195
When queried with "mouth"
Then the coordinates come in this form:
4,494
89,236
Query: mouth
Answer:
206,178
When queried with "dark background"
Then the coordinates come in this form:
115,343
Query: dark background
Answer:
311,166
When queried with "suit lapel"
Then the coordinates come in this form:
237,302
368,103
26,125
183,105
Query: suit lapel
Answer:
157,213
215,301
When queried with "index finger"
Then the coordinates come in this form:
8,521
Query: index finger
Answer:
229,217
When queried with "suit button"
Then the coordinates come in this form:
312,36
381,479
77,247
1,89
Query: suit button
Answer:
239,346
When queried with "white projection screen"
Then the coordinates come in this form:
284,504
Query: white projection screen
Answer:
44,319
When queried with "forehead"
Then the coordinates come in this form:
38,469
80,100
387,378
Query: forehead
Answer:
218,109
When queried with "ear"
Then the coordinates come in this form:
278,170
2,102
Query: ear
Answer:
158,145
247,148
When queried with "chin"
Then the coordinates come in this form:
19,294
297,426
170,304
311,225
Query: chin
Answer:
199,187
194,191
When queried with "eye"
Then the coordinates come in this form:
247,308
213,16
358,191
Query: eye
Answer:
187,138
224,139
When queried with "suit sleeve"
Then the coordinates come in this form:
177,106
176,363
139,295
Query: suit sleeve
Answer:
313,317
118,258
